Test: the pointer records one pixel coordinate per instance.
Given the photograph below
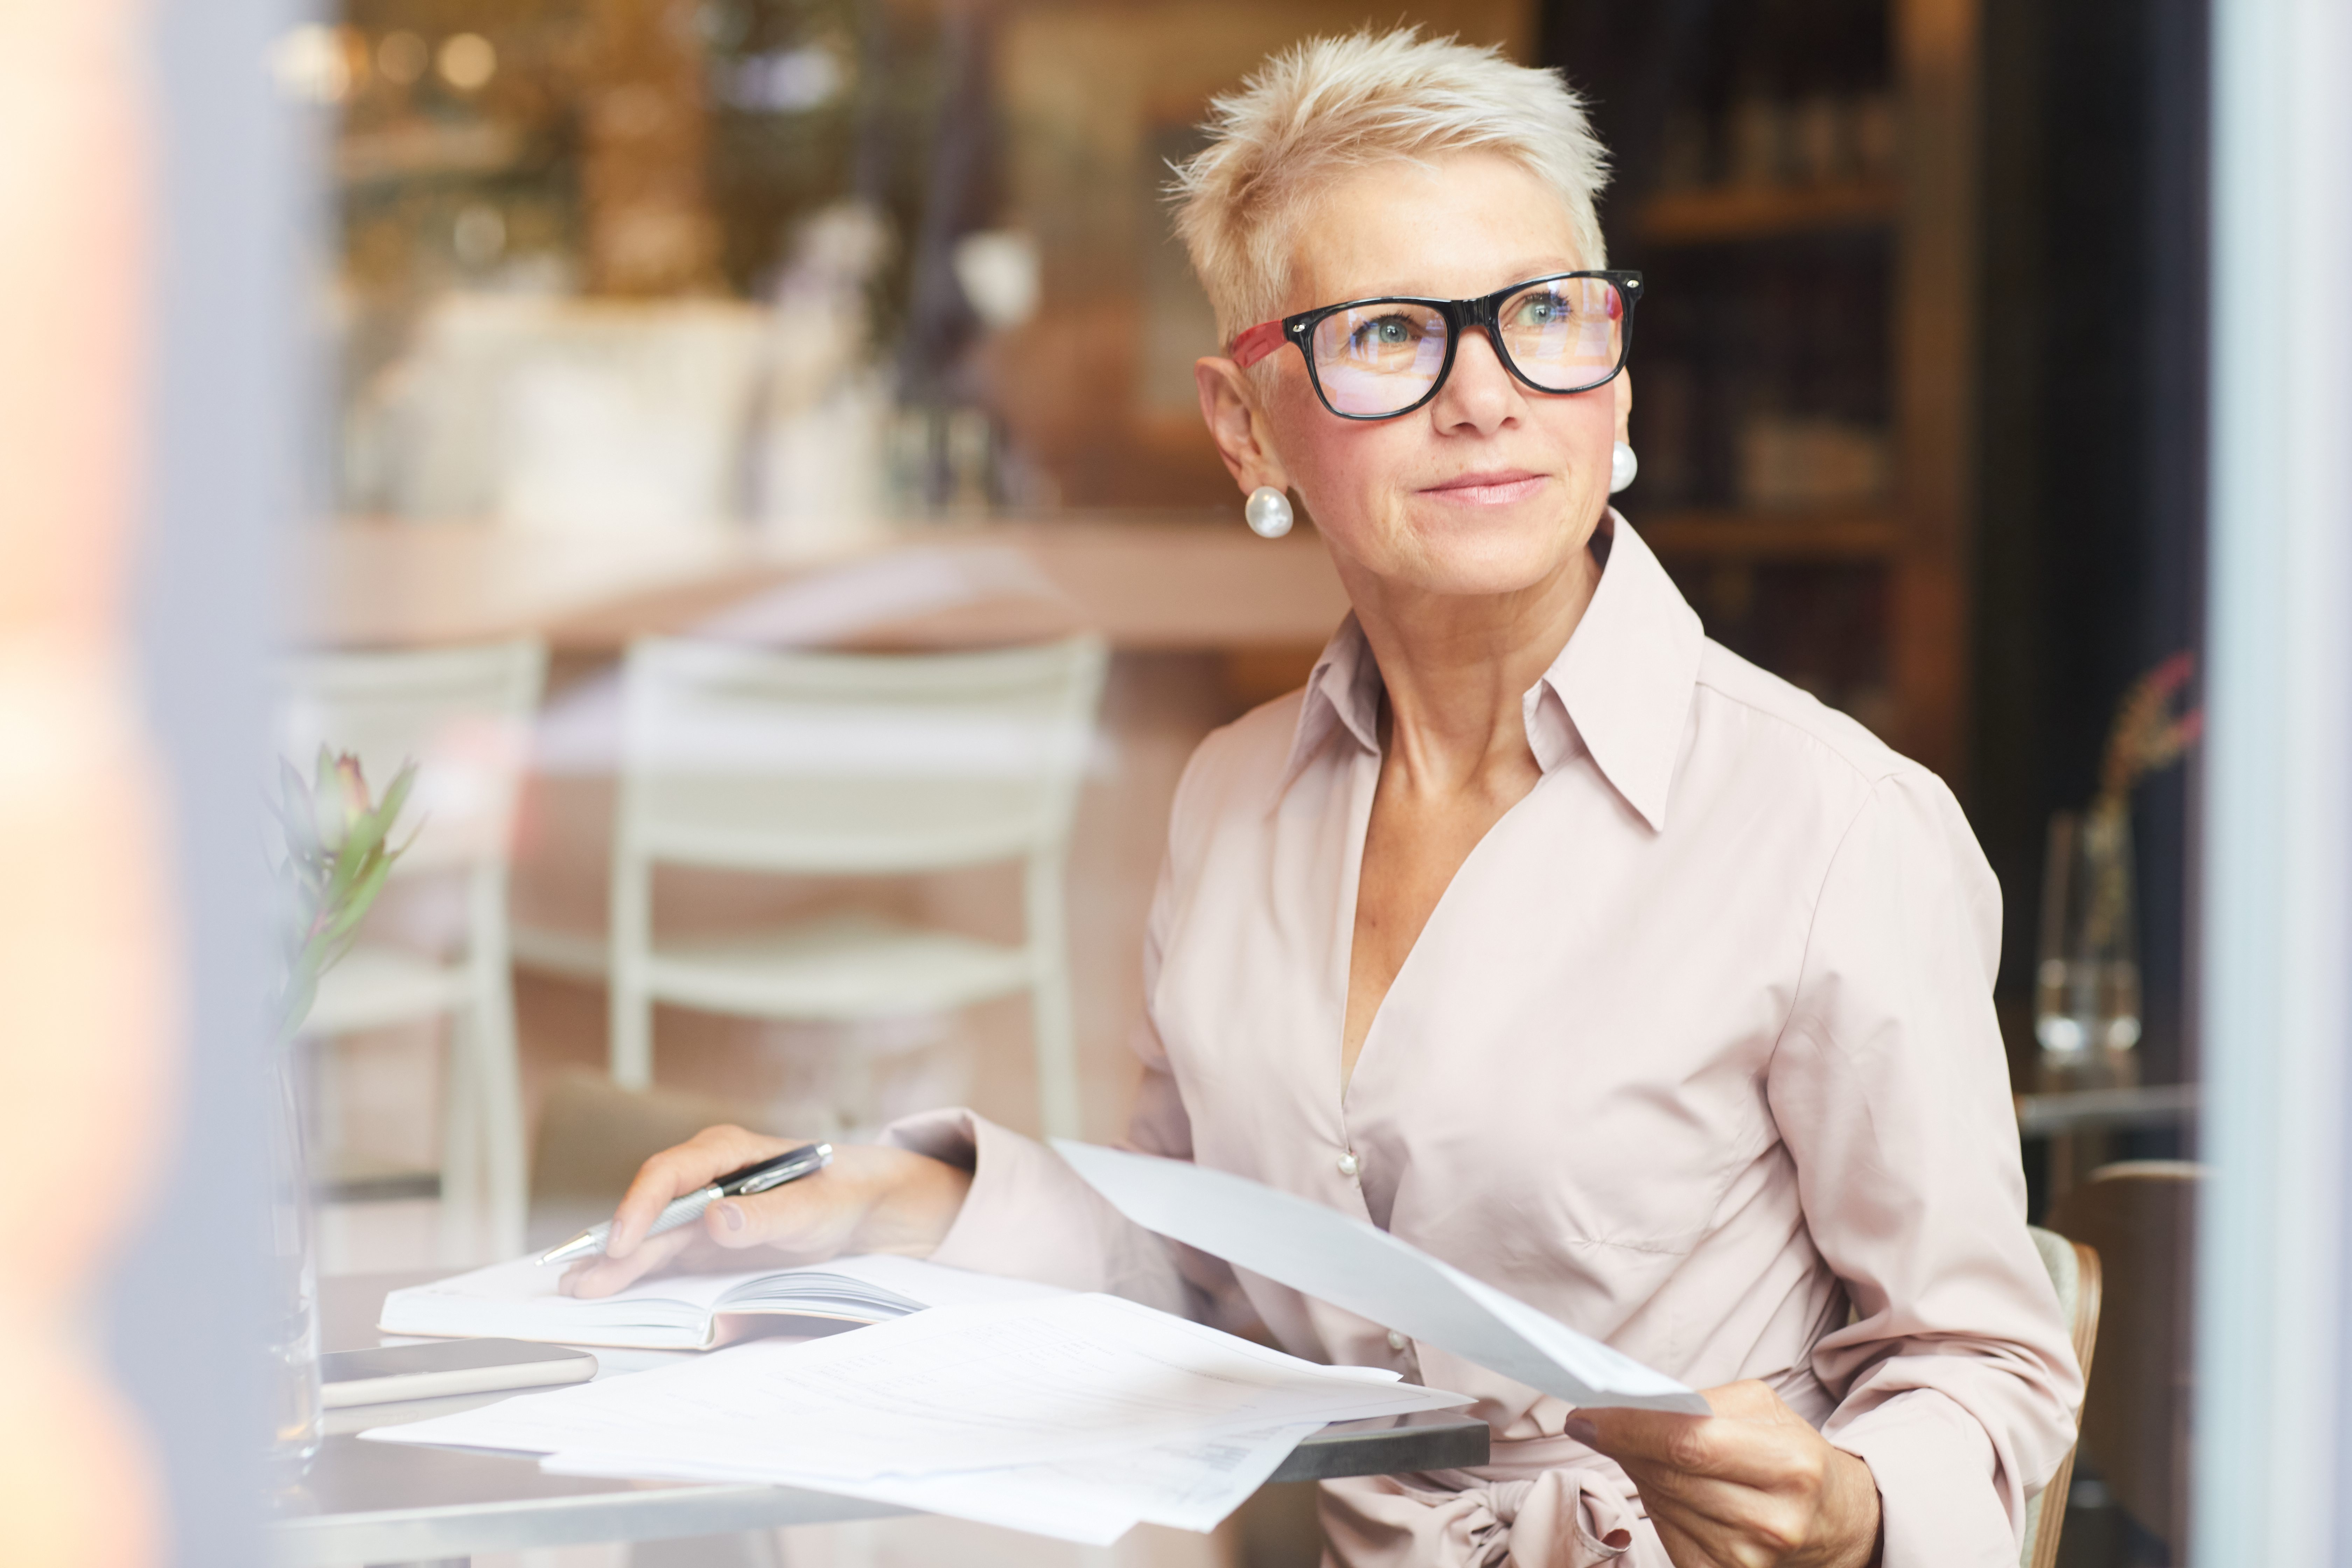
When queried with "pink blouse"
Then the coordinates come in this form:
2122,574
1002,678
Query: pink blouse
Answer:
1696,1053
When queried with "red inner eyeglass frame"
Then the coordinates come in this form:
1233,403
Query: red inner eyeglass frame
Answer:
1256,343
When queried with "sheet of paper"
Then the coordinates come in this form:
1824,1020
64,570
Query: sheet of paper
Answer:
985,1386
1187,1485
1363,1269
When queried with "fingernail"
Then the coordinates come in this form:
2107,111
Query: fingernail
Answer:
1583,1431
732,1216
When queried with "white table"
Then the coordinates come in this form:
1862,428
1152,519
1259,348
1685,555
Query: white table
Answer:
366,1503
2106,1109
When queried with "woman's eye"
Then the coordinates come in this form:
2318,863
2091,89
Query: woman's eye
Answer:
1387,331
1541,310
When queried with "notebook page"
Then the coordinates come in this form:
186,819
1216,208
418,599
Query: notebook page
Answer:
881,1278
520,1299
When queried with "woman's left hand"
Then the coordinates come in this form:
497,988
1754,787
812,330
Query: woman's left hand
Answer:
1753,1486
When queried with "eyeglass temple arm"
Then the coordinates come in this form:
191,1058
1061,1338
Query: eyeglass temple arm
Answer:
1256,343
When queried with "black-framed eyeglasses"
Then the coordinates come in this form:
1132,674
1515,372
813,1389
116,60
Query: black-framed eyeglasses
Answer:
1375,359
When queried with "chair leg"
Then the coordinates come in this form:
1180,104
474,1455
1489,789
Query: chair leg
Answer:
1052,1014
462,1170
1058,1101
633,1034
498,1087
631,923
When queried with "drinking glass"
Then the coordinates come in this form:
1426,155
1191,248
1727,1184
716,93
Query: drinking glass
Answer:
2087,1014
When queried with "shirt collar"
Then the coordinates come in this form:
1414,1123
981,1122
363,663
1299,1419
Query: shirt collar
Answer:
1342,693
1620,690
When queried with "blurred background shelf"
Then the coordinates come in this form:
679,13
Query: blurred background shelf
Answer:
1728,213
427,149
1797,180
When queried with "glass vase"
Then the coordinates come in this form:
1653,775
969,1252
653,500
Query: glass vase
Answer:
2087,1014
292,1324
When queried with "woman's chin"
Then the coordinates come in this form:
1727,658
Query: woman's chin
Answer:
1457,551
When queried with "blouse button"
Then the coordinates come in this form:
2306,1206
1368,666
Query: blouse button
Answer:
1349,1165
1396,1341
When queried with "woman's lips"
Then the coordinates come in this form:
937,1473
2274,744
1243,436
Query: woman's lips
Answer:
1497,489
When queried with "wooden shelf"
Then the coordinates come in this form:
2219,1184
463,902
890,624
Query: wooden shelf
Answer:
424,149
1761,212
1772,536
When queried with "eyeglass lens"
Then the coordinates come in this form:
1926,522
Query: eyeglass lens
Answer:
1383,356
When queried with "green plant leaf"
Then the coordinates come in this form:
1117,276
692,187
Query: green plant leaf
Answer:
330,886
362,896
396,797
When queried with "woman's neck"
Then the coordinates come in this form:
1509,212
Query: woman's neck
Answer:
1456,666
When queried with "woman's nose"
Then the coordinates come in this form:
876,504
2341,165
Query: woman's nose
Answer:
1478,392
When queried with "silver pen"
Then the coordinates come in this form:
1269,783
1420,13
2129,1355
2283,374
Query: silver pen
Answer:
804,1160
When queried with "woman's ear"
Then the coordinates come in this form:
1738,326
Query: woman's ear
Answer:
1229,406
1625,403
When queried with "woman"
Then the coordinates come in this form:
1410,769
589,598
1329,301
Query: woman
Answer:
1536,929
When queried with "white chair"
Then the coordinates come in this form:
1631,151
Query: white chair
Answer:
2141,1216
2074,1274
838,764
463,716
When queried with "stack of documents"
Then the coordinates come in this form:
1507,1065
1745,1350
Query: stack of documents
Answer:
1076,1416
1068,1415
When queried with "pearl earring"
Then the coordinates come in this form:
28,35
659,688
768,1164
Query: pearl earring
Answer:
1623,467
1268,512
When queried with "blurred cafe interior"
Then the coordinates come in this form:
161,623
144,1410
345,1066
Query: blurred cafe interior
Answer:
808,385
833,325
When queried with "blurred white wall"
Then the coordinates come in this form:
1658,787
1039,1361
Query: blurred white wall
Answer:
2275,1232
228,449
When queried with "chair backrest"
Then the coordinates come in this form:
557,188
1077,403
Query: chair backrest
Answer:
592,1136
2074,1274
2141,1216
855,763
462,715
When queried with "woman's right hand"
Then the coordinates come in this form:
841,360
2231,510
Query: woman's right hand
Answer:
870,1199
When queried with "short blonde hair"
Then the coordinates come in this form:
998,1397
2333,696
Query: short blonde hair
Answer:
1332,104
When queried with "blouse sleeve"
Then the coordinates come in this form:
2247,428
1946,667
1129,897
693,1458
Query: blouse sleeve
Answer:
1028,1215
1956,1380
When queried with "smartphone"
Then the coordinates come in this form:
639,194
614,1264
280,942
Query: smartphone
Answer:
445,1367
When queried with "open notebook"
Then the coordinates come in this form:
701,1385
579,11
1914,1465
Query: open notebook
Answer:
519,1300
